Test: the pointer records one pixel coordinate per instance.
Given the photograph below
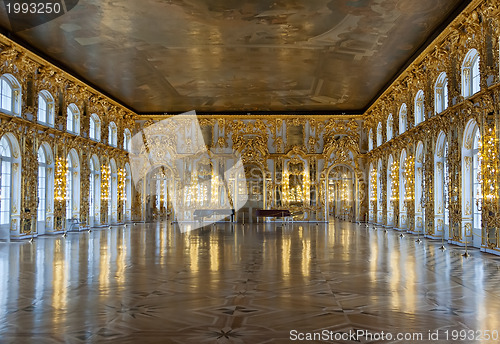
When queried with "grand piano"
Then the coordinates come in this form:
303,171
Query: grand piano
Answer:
283,213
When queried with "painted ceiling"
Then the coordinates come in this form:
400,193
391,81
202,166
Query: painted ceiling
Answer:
159,56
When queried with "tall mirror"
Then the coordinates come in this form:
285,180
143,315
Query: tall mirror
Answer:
341,187
159,201
296,184
296,188
255,189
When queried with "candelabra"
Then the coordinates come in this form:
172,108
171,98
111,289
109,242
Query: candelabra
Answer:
105,175
373,196
214,189
409,200
286,185
122,176
395,185
306,189
61,170
409,178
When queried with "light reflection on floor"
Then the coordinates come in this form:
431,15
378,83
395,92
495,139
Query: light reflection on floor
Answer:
241,284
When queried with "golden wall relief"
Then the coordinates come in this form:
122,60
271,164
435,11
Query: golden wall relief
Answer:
295,177
476,28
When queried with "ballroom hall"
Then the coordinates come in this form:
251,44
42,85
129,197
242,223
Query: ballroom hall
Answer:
292,171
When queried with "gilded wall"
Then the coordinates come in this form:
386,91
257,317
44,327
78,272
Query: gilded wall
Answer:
476,30
27,134
278,151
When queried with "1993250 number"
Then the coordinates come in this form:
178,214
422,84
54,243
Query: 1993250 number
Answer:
33,8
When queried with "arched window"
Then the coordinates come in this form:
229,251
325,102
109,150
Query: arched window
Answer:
113,192
95,127
73,119
471,188
476,189
419,108
112,134
10,94
370,140
46,108
91,191
419,188
94,191
72,185
379,134
69,188
128,193
390,192
441,93
402,118
441,175
45,189
127,136
10,186
372,194
389,127
42,183
402,191
6,186
470,74
379,193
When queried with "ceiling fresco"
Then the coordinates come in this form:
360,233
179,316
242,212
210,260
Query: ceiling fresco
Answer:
230,55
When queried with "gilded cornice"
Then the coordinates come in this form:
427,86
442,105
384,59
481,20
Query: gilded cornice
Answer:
156,117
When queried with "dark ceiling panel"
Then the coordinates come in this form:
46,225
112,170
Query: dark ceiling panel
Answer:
229,55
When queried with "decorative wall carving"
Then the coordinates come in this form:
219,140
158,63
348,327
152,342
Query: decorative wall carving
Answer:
478,24
35,75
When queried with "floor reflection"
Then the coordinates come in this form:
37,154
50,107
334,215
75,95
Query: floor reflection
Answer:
242,284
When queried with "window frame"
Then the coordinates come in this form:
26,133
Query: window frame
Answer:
6,160
469,65
403,118
380,139
441,93
49,116
95,128
370,140
390,126
112,134
73,112
419,107
127,139
14,96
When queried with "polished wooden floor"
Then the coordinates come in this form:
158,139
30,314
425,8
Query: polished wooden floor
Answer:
260,283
